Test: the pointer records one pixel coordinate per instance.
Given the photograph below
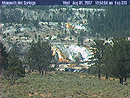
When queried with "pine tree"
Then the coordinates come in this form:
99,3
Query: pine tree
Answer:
39,56
3,55
13,59
97,59
106,57
119,59
114,21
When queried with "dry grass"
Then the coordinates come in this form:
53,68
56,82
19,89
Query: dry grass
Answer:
65,85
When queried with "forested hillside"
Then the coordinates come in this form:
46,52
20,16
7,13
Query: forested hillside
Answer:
114,22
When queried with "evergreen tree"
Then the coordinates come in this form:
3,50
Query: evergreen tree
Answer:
119,59
114,21
56,60
30,57
13,59
13,66
77,60
106,57
13,73
40,56
97,59
3,56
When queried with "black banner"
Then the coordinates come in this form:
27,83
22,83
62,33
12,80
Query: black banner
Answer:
65,2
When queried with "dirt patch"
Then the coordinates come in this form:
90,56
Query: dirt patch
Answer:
44,95
82,76
48,95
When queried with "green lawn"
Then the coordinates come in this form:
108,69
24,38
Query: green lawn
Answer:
64,84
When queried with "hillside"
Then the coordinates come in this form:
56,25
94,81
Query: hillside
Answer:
62,24
23,24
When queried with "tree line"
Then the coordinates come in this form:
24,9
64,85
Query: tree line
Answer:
10,66
113,22
39,57
111,58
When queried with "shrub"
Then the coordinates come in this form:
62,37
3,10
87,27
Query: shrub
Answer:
13,73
